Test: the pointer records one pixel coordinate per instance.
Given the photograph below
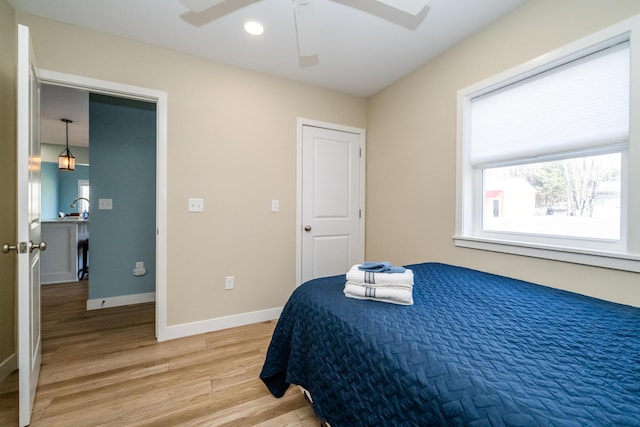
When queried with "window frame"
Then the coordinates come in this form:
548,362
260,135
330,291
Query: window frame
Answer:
82,205
623,254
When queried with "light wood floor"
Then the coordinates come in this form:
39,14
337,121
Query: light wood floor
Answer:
105,368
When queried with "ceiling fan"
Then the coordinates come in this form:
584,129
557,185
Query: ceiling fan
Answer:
306,20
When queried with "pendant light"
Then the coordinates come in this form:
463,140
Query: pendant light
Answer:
66,161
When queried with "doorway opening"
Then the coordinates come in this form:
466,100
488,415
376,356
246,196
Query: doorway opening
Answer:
115,148
137,98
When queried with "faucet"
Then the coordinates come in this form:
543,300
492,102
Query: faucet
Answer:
73,204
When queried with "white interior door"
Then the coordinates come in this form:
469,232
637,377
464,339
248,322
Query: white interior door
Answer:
332,232
28,214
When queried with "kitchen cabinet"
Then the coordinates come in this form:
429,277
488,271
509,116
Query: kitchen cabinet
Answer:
63,258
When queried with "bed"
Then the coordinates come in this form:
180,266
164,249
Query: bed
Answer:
475,349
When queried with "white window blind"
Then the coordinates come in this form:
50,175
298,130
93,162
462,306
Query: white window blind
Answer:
578,106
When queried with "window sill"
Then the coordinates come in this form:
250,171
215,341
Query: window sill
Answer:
612,260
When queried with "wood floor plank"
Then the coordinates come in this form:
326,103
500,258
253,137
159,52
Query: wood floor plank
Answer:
105,368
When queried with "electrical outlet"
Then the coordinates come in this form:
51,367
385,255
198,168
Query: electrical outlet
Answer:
139,271
228,282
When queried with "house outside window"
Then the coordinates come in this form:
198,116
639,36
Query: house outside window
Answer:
544,155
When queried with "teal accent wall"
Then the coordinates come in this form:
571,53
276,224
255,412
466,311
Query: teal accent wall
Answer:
68,187
60,188
122,135
49,192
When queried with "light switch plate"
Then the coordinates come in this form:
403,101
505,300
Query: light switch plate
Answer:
275,206
196,205
105,204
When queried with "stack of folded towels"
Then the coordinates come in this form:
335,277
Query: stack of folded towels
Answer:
380,281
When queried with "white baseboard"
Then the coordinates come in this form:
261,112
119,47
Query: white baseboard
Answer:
94,304
210,325
9,365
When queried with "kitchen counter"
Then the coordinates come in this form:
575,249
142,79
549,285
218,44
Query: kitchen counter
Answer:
66,219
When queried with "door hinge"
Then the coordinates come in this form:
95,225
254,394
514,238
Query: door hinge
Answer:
360,152
359,213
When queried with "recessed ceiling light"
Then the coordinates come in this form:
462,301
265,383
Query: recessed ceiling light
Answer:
254,28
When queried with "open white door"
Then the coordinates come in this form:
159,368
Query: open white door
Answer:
28,252
332,201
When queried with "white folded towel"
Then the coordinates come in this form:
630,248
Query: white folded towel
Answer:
369,278
382,285
393,294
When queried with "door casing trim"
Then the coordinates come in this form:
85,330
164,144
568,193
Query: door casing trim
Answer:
160,98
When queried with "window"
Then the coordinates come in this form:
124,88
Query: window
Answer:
576,197
83,191
544,153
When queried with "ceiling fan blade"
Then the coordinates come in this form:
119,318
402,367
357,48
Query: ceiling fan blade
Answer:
307,27
412,7
198,6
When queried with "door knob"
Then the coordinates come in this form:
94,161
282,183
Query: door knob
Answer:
307,228
20,247
42,246
6,248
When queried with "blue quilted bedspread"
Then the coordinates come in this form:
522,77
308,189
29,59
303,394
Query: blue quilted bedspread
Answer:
475,349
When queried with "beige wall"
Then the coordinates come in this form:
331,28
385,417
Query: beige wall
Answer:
411,209
7,177
231,141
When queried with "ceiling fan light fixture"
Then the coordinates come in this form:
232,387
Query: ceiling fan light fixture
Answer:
412,7
254,28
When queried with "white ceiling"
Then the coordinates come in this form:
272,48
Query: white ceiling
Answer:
363,47
56,103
